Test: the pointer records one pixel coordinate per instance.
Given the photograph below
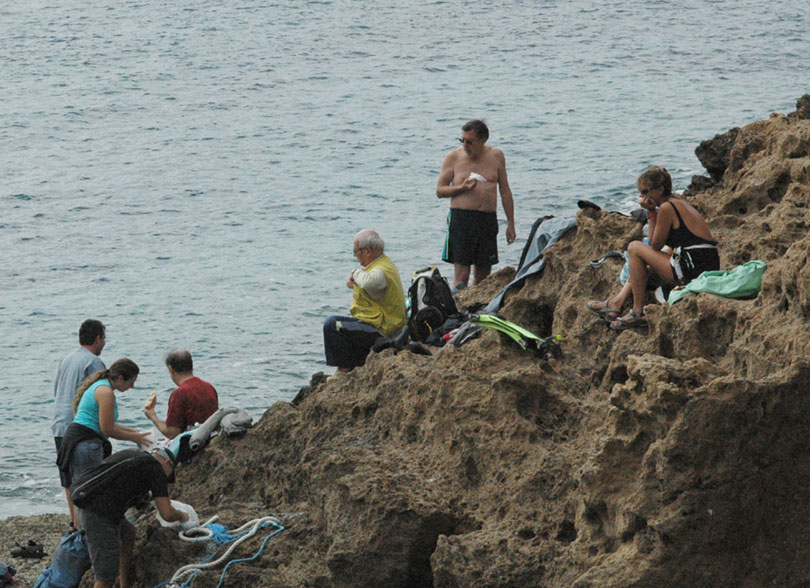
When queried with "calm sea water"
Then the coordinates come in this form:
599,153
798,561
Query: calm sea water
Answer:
192,173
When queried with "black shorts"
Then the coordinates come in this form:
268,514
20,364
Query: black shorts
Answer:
472,238
693,262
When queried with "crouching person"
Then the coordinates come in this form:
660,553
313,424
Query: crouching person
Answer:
104,493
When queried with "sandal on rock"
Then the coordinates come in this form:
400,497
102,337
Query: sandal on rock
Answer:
607,313
635,321
31,549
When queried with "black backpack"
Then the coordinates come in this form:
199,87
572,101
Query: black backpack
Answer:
431,302
100,476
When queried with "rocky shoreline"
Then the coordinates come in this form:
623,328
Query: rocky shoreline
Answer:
671,457
46,530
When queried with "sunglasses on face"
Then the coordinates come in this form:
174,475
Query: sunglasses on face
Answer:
465,141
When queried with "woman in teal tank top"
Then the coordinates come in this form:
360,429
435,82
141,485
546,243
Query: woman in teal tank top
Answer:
87,411
95,408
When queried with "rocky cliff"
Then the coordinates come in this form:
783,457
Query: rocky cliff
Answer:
672,457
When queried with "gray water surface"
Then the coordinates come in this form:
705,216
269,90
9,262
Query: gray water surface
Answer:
192,173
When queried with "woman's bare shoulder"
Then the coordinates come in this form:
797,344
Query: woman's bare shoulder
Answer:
684,205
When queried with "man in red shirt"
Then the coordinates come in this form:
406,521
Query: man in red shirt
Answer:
192,402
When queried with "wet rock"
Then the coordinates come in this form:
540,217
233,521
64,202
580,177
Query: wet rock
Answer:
315,380
698,184
714,153
802,108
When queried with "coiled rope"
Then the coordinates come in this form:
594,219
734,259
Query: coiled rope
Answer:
218,534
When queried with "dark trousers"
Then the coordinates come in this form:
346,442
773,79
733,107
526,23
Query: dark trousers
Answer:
347,341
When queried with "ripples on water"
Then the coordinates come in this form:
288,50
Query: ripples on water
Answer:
192,174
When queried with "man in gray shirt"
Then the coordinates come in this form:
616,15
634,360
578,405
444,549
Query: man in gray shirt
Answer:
76,366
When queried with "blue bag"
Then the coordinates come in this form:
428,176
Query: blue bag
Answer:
6,574
69,563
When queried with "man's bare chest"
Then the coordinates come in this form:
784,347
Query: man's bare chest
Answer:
469,169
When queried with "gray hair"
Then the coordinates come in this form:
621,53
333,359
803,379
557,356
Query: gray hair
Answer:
370,239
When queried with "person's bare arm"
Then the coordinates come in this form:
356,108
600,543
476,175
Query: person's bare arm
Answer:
166,430
106,419
444,187
151,414
506,199
660,226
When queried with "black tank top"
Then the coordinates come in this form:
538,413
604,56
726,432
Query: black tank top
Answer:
682,236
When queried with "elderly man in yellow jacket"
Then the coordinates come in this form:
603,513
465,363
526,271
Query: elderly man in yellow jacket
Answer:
378,306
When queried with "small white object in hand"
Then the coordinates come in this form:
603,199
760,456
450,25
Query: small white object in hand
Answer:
475,176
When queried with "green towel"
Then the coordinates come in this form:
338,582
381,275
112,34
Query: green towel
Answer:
744,281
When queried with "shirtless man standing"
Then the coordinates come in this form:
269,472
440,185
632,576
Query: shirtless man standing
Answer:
471,177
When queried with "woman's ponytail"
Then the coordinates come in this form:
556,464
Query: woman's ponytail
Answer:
88,381
122,368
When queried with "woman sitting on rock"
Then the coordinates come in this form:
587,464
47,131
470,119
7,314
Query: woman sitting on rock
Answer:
673,222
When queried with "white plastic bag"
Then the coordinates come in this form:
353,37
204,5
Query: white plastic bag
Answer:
150,442
193,519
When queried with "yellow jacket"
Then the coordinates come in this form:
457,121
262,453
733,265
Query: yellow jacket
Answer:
387,312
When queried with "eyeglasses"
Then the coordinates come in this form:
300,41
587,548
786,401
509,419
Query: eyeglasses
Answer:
647,191
465,141
359,249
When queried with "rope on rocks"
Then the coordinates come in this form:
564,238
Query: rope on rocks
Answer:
218,534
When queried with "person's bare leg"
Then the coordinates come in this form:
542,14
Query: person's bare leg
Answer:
72,508
461,274
481,272
619,300
127,546
640,257
638,281
614,303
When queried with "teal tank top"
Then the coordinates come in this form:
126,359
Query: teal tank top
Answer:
87,411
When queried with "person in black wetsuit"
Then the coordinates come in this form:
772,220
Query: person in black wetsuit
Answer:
675,223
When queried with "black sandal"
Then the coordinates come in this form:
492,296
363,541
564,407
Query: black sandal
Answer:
635,321
32,549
